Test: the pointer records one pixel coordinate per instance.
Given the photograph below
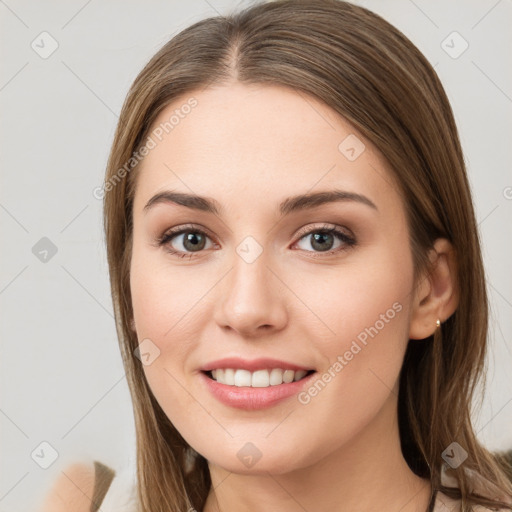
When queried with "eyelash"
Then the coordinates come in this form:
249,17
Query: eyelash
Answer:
326,229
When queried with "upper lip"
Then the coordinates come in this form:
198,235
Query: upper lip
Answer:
251,365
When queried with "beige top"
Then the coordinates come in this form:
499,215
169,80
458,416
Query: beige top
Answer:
119,495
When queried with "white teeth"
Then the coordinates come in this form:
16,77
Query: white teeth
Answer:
257,379
242,378
288,376
260,379
276,376
229,376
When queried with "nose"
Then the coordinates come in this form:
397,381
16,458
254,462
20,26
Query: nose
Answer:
252,299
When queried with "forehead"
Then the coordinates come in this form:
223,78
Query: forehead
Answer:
254,144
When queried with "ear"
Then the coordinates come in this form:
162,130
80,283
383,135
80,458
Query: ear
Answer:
436,293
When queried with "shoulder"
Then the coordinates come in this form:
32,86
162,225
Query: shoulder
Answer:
72,490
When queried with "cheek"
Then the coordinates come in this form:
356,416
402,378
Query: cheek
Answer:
164,302
165,319
348,302
366,307
170,311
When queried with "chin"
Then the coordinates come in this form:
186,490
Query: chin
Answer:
249,460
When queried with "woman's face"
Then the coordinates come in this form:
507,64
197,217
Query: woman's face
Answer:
261,278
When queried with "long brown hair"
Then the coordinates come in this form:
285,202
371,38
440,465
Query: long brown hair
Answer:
371,74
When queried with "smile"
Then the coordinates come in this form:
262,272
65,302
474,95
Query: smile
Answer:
257,379
254,390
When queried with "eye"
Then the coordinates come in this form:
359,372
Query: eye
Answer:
184,241
187,240
324,239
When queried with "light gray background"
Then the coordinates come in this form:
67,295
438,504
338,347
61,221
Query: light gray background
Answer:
62,381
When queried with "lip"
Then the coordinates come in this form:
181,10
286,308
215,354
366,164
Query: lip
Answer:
262,363
249,398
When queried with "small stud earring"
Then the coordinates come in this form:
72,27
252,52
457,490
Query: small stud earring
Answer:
438,323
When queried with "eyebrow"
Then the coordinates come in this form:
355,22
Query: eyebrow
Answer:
291,204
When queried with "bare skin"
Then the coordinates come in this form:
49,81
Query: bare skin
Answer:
250,148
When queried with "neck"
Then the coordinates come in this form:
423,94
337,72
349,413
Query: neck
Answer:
365,474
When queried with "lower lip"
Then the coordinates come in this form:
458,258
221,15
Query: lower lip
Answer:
249,398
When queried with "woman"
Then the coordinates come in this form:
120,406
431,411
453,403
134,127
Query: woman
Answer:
296,273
